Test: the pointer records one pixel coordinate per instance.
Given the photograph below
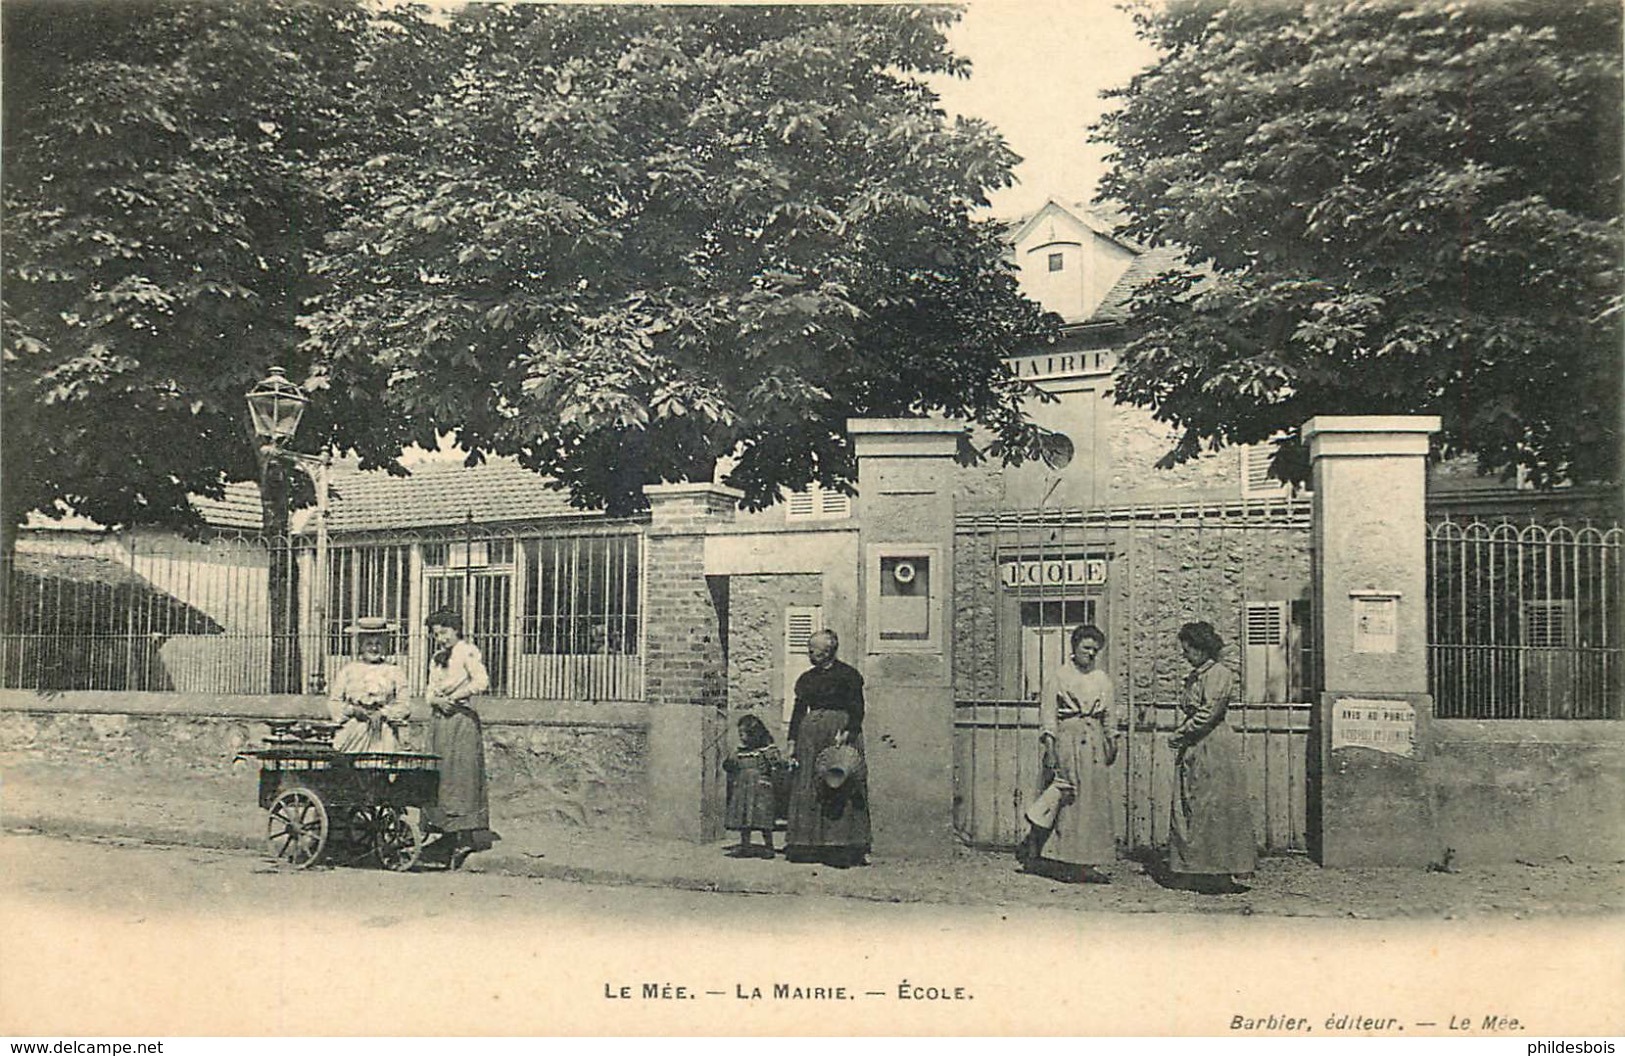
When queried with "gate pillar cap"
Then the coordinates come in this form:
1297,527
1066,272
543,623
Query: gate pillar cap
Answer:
905,437
1369,435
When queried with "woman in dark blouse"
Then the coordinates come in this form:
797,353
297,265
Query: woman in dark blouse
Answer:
827,824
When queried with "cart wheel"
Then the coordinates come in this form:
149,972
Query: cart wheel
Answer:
355,830
396,841
297,830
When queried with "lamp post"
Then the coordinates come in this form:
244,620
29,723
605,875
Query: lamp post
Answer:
275,406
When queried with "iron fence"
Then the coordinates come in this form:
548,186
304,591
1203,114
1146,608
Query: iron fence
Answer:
556,610
1524,620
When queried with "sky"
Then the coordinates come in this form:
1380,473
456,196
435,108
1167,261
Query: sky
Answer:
1038,68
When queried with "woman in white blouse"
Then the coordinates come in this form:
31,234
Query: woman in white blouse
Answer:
462,814
1072,819
369,695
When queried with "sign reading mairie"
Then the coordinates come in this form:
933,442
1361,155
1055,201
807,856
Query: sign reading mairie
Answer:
1063,364
1054,572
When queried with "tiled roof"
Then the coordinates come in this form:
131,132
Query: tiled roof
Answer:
1147,265
238,508
440,494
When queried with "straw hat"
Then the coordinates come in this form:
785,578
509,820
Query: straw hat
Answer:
838,764
370,625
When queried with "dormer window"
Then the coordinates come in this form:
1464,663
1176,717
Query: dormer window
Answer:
1056,262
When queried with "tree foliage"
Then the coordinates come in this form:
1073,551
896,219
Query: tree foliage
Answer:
1389,208
163,193
618,242
623,242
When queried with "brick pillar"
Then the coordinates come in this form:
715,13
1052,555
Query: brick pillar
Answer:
1370,788
685,663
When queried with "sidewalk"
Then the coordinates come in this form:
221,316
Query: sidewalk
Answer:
209,810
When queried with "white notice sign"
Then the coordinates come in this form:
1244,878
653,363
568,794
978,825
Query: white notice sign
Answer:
1383,725
1376,623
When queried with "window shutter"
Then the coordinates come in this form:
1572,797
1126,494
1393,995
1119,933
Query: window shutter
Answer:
834,504
1264,652
1255,472
1548,624
801,622
801,505
817,504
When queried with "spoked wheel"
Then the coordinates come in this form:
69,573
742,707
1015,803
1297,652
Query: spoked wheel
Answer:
297,829
396,842
355,831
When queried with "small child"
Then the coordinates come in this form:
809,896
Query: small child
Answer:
751,800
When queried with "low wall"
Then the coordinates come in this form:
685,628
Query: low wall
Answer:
1530,790
548,763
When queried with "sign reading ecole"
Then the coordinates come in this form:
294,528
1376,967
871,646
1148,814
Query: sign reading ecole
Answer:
1056,572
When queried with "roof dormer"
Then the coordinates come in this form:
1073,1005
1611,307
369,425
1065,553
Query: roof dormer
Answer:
1068,260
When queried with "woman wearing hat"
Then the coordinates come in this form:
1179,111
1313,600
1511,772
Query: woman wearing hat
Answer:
369,696
462,814
1072,820
1211,835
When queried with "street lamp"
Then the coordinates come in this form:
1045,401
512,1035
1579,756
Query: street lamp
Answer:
275,406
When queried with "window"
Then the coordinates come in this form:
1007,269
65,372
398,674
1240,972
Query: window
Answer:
817,504
1275,653
367,581
1057,261
581,595
801,622
469,553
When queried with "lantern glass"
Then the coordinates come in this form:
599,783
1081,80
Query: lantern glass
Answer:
275,405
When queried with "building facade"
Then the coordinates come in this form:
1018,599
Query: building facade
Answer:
622,650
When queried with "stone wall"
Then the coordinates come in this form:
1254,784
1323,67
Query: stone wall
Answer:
548,763
1135,441
1528,791
756,640
1180,575
1158,578
975,617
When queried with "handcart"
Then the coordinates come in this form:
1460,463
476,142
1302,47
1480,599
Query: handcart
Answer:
344,807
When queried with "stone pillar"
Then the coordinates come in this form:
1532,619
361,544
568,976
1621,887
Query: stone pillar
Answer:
1369,790
685,661
904,638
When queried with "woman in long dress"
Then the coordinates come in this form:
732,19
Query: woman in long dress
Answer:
1211,835
462,814
369,694
1072,819
827,824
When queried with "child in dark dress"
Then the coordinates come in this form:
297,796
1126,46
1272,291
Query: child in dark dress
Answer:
752,804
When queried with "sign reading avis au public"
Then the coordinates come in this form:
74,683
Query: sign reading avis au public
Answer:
1054,572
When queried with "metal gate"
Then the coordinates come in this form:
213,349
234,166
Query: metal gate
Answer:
1024,579
485,599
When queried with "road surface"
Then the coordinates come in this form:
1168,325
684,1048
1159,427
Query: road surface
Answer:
129,939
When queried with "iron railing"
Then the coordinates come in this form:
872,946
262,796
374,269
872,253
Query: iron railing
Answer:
1524,621
556,610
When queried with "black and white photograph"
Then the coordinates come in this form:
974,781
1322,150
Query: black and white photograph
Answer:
1016,518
